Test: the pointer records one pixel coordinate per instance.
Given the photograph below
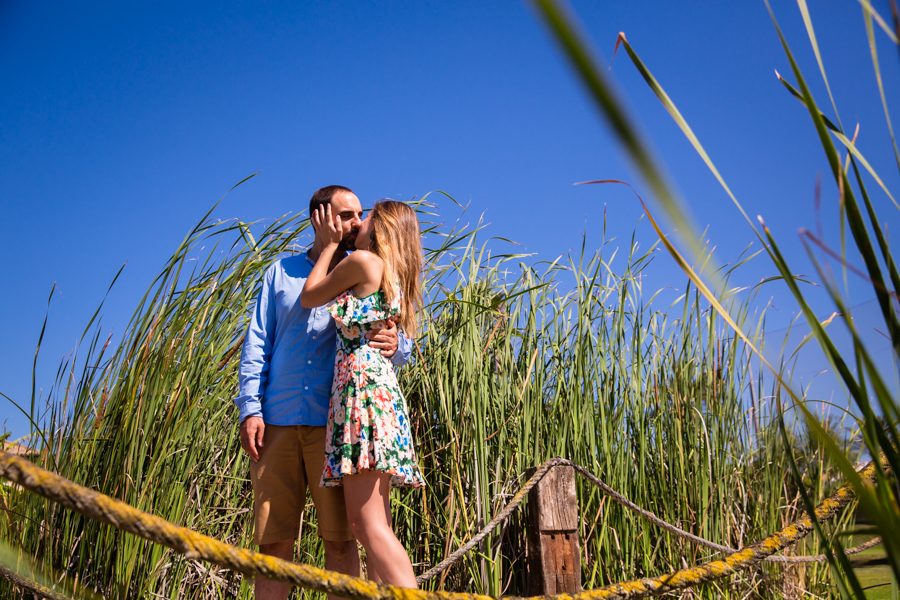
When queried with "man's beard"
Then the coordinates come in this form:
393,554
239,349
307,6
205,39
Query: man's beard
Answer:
348,242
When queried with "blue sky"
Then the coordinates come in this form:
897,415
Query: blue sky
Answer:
122,123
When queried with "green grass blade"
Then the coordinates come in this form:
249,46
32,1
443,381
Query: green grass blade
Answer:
811,32
873,50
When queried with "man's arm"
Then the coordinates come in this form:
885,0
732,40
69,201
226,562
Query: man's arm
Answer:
254,367
404,349
392,342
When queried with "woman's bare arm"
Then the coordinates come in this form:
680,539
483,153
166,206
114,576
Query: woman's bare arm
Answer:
360,269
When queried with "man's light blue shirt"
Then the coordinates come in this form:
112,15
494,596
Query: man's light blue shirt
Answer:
287,362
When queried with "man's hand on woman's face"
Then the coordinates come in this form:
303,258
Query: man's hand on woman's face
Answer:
327,226
384,339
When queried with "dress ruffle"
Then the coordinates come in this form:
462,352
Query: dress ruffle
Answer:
349,309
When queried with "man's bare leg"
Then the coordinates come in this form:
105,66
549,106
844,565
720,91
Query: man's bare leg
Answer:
266,589
342,557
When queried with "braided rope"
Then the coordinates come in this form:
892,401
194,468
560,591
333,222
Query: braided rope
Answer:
619,499
200,547
35,588
743,559
191,544
501,516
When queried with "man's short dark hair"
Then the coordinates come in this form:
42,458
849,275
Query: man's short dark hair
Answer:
324,196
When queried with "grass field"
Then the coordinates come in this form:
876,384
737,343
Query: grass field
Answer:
874,571
517,363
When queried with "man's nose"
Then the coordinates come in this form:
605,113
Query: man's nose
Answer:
356,222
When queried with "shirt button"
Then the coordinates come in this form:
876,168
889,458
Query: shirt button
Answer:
309,362
305,387
314,337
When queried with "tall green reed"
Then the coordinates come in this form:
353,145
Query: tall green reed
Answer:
868,389
517,363
573,361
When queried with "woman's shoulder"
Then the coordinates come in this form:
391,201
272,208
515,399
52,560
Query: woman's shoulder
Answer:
364,256
367,260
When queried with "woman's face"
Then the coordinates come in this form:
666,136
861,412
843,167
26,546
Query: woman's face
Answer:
364,237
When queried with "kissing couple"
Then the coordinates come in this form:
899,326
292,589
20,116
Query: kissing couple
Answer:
320,406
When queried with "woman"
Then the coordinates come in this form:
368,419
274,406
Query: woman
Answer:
368,443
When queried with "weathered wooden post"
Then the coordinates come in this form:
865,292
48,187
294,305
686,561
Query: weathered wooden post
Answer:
554,564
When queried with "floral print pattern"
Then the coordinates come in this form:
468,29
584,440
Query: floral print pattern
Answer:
368,426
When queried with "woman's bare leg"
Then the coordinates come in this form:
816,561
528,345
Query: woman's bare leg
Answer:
371,572
367,495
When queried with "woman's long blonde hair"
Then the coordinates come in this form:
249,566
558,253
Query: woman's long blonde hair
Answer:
398,241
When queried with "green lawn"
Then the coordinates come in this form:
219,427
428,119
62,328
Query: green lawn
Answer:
873,573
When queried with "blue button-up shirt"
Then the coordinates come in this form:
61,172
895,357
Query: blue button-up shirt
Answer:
287,362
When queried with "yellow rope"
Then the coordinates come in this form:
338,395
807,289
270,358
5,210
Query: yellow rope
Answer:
32,586
200,547
742,559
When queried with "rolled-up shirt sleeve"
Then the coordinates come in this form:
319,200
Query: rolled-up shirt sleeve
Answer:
257,351
404,350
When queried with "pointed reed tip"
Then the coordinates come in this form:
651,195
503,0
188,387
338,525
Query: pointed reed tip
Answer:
760,219
619,39
778,75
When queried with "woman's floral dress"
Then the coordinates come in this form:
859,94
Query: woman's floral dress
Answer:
368,425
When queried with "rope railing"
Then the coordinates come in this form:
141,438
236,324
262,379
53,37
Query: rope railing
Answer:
742,559
619,499
194,545
32,586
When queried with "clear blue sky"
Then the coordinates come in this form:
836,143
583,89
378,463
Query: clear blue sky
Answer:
122,123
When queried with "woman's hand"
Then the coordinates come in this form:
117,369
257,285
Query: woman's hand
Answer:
327,226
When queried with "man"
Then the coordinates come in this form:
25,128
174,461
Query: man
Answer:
287,366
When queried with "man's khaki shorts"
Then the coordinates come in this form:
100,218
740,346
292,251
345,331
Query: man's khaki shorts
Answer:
291,459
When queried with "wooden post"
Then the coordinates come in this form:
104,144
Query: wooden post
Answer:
554,552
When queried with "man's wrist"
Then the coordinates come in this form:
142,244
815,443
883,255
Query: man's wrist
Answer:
404,351
250,409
